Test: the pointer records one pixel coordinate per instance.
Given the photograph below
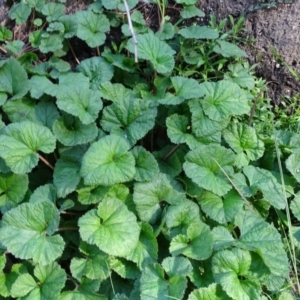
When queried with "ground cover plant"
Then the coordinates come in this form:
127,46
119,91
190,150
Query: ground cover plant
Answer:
166,178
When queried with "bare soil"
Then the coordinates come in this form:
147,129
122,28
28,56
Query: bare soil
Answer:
278,27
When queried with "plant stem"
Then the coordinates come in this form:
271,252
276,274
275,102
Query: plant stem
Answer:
171,152
66,228
73,52
46,162
69,213
235,187
98,51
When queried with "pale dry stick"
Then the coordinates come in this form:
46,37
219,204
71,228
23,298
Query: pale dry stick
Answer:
132,31
236,188
73,52
45,161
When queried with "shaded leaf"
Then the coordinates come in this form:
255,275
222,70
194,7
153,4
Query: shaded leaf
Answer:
146,166
13,79
71,132
20,142
196,243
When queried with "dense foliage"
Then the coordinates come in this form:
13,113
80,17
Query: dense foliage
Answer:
160,179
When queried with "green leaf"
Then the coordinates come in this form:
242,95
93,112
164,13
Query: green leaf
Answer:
32,226
198,32
72,80
41,85
92,27
94,265
118,4
49,282
241,75
7,280
14,47
52,11
13,188
202,125
112,227
157,52
5,34
148,197
13,79
42,113
196,243
51,42
259,236
243,140
115,92
20,12
206,166
66,174
166,32
224,99
185,88
191,11
212,292
264,181
227,49
228,267
115,164
37,4
147,248
129,118
178,130
171,164
91,194
177,266
20,142
295,206
97,69
124,268
80,102
146,166
153,283
180,216
293,165
45,192
220,210
70,25
222,238
71,132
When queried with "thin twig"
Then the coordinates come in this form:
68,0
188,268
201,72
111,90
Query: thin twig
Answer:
98,51
73,52
2,49
46,162
235,187
132,31
66,228
171,152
